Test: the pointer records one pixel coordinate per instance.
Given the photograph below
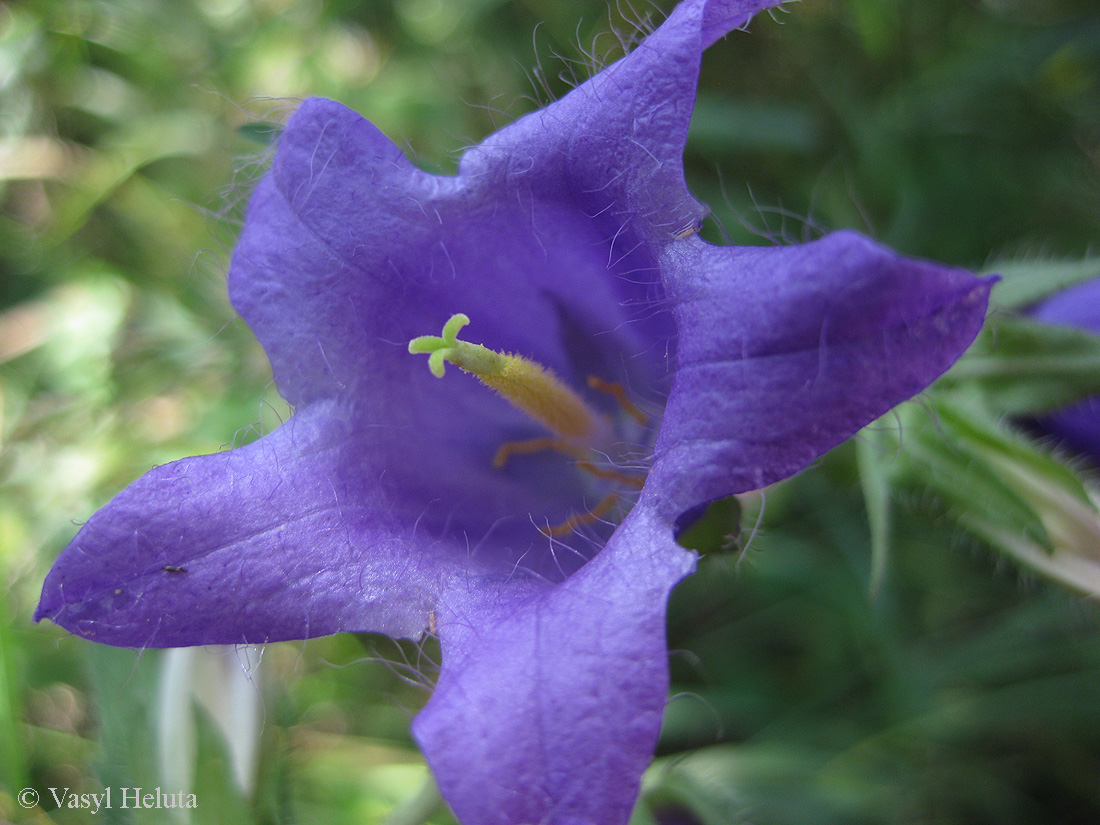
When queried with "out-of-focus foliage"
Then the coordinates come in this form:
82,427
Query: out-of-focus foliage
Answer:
871,658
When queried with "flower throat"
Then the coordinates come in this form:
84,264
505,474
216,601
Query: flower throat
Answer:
535,390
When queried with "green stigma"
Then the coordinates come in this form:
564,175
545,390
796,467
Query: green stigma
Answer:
446,347
526,384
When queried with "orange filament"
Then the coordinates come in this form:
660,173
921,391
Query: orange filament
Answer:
584,462
635,482
536,445
582,455
585,459
577,520
616,391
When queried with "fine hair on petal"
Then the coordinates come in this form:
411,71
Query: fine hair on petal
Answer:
410,660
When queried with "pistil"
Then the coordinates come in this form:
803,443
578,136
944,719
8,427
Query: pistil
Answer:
525,384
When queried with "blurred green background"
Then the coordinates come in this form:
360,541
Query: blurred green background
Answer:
843,669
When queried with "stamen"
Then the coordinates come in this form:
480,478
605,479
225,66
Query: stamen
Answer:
616,391
536,445
534,389
637,482
577,520
523,383
581,454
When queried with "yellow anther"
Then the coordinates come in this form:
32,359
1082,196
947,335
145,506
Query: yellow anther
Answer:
525,384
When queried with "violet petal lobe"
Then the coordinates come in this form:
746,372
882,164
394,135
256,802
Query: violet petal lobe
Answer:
614,145
785,352
549,704
1078,306
348,252
1077,424
277,540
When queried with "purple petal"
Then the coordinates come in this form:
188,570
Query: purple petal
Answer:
615,144
723,16
550,701
556,217
1077,424
1078,306
348,252
276,540
786,352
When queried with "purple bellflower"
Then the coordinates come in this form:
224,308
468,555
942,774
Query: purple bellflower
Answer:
532,528
1078,425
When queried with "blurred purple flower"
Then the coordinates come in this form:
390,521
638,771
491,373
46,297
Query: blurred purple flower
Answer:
1078,425
569,238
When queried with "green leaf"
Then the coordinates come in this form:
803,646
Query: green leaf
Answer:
1024,283
123,680
718,530
214,777
1004,488
12,760
262,132
725,126
939,450
993,439
875,484
1026,367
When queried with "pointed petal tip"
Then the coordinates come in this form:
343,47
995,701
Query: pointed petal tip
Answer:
313,106
784,352
43,610
260,543
720,17
549,706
